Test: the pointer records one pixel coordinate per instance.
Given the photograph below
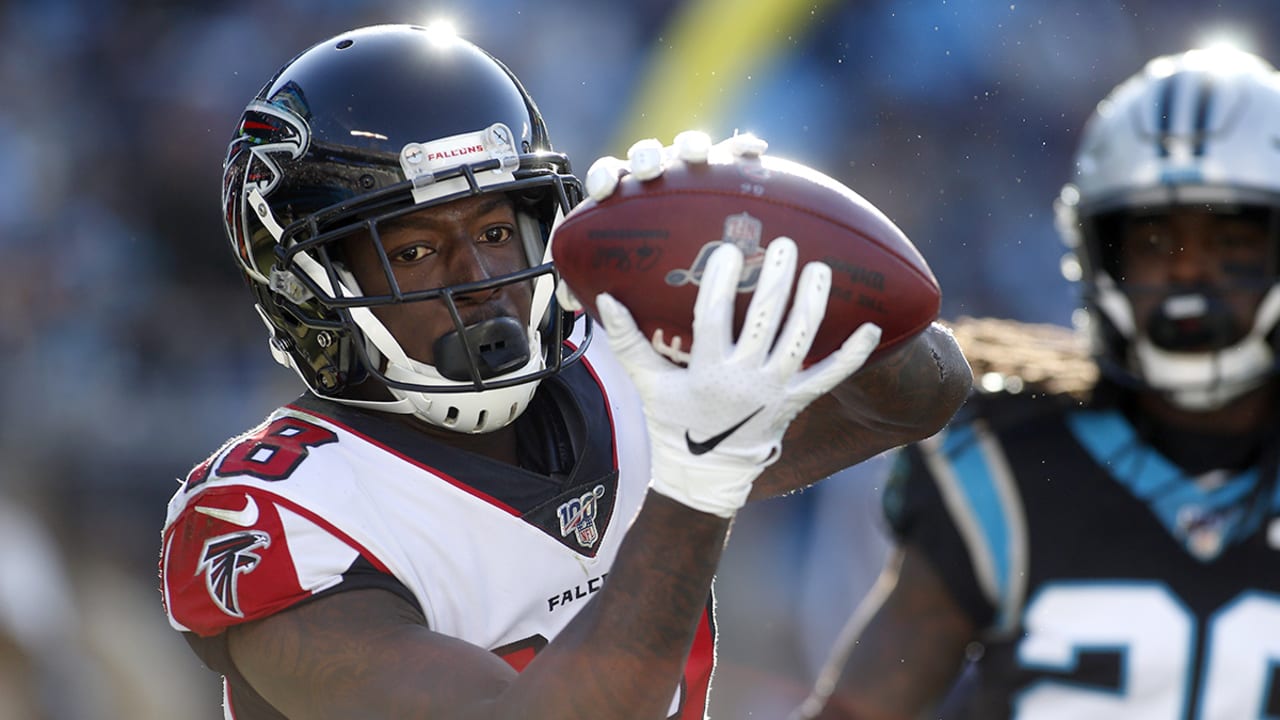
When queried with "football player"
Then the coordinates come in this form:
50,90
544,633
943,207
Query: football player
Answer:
1098,536
475,510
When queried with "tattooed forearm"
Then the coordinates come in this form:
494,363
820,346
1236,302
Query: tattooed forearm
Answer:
916,389
905,396
651,610
682,574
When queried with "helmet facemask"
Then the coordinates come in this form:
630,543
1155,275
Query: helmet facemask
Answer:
484,372
1195,342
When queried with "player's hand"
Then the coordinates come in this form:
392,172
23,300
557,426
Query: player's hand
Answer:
648,159
718,422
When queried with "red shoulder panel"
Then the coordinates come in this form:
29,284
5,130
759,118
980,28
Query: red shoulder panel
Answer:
226,560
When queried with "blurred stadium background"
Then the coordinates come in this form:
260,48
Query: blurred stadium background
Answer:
129,350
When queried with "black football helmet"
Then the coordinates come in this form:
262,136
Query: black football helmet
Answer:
368,126
1191,130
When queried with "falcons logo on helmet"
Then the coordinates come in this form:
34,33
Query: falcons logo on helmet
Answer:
268,129
222,562
269,132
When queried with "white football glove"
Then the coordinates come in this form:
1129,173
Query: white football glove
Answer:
717,423
647,159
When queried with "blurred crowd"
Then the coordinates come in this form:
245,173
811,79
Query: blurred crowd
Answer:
129,349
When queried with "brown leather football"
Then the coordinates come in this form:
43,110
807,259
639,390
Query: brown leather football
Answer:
647,243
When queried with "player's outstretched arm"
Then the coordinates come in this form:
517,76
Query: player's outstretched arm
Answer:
900,652
905,396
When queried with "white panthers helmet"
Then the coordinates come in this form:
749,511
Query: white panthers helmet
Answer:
1201,128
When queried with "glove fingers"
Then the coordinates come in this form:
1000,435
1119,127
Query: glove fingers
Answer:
713,310
769,300
745,145
603,177
807,312
845,361
568,301
692,146
628,343
645,159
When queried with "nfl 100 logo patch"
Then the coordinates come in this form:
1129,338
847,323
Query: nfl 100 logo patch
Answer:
578,516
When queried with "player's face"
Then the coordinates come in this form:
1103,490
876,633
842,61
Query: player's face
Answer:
1189,250
467,240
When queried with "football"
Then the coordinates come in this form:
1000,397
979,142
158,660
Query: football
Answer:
647,243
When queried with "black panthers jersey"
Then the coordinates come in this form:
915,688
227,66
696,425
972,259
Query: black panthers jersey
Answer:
1108,583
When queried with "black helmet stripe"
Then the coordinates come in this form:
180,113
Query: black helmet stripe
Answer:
1168,116
1204,99
1164,114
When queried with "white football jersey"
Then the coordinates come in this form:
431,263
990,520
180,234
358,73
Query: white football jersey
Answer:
323,497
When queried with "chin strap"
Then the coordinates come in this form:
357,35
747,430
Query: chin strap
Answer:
1205,381
1209,380
1196,381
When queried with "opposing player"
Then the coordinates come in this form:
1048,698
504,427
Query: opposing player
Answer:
474,510
1100,537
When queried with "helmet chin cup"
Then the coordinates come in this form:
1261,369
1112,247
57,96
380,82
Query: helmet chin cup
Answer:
1206,380
1172,359
1190,321
467,411
500,346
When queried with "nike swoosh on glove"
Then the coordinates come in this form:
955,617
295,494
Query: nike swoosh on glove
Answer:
717,423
